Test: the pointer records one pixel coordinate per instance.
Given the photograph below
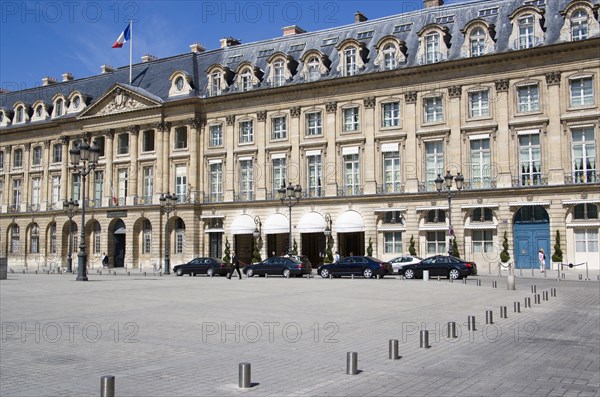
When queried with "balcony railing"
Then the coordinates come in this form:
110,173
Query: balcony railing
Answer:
582,177
530,180
247,196
390,188
350,191
145,200
14,208
117,202
33,207
479,183
212,198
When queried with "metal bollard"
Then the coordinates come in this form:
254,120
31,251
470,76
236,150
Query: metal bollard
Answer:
503,312
517,307
564,276
537,299
533,289
287,275
107,386
352,276
244,376
450,280
489,317
393,349
494,284
144,274
478,282
464,280
438,278
545,295
424,339
527,302
129,273
425,275
330,276
351,363
451,332
581,276
553,292
510,282
471,323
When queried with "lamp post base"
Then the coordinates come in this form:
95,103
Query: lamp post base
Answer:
81,270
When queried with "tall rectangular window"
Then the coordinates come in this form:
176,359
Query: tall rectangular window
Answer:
391,172
278,75
148,141
215,88
181,183
98,187
433,109
436,243
351,119
16,196
432,48
52,234
434,163
528,98
1,160
579,25
18,158
215,135
246,180
586,240
147,237
246,132
76,187
392,243
55,191
483,241
314,124
526,32
530,159
314,175
479,104
391,114
584,155
582,91
36,189
279,174
123,144
122,181
216,182
351,174
278,128
480,163
181,138
36,158
148,184
57,153
351,67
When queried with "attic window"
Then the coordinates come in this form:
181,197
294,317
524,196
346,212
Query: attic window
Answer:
265,53
235,58
403,28
488,11
76,102
445,19
365,35
538,3
330,41
297,47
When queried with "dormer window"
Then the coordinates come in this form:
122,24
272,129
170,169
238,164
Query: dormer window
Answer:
313,69
216,82
579,21
247,77
179,83
315,65
76,102
579,25
350,68
478,39
477,42
19,114
432,43
526,32
389,57
278,73
38,111
219,79
59,107
527,29
246,80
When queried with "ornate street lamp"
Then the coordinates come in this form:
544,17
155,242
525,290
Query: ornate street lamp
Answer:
290,196
83,160
70,207
328,238
167,205
257,233
446,183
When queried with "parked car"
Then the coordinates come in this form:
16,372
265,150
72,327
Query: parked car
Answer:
208,266
278,265
401,261
365,266
304,259
440,265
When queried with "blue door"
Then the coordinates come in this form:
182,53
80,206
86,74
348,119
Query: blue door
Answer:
531,232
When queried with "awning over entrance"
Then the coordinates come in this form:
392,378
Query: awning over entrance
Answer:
349,222
275,224
243,224
313,222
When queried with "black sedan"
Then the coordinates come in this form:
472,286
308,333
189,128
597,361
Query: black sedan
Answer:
440,265
278,265
208,266
365,266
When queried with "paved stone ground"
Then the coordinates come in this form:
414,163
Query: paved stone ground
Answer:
184,336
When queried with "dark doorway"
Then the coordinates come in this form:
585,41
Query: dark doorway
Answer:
277,243
119,239
215,244
243,247
351,243
313,246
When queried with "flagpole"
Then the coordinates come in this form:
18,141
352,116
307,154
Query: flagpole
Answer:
130,48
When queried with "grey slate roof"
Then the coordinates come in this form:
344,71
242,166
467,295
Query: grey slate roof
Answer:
153,77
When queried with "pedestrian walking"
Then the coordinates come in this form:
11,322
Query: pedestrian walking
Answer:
542,260
236,266
336,257
104,260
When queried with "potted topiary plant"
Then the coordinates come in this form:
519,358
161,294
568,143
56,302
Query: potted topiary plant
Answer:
295,248
455,252
255,252
558,254
411,247
504,255
227,257
370,248
328,253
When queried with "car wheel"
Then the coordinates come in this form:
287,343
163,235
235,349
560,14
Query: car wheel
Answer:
409,274
179,272
250,273
324,273
286,272
454,274
367,273
210,272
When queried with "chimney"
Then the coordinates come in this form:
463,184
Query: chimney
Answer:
292,30
48,81
229,42
148,58
432,3
107,69
360,17
197,48
67,76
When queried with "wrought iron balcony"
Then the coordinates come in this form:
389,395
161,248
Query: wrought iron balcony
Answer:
528,180
582,177
390,188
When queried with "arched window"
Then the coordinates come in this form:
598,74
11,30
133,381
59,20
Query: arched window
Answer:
179,236
313,69
432,48
215,83
15,239
477,40
97,233
579,25
246,80
526,38
436,216
52,239
350,67
58,111
585,211
147,237
278,73
389,57
482,215
34,239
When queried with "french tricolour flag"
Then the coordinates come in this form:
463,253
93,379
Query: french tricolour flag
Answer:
123,37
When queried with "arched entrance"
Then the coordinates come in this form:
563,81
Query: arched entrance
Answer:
350,229
119,240
531,232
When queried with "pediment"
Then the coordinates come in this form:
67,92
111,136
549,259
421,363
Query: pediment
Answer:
121,98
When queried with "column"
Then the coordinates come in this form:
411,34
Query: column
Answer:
160,129
261,164
45,197
26,195
108,172
166,152
134,171
294,165
229,166
370,155
553,147
503,141
64,169
7,180
330,156
197,125
411,158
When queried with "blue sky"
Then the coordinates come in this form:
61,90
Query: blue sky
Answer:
49,38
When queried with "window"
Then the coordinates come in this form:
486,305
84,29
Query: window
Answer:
97,234
528,98
1,160
99,141
530,159
581,91
391,114
216,182
278,128
215,135
586,240
350,66
179,236
481,163
351,174
246,180
482,215
181,183
432,48
278,73
314,72
584,155
16,196
246,132
36,158
18,158
15,239
215,87
98,187
479,103
76,102
34,239
314,175
477,41
56,200
148,184
147,237
179,83
123,144
36,192
436,243
392,243
38,110
314,124
52,242
246,80
57,153
1,192
393,218
58,110
122,182
148,141
434,163
19,115
391,172
181,138
389,57
75,186
279,174
579,25
436,216
585,211
483,241
351,119
526,38
433,109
